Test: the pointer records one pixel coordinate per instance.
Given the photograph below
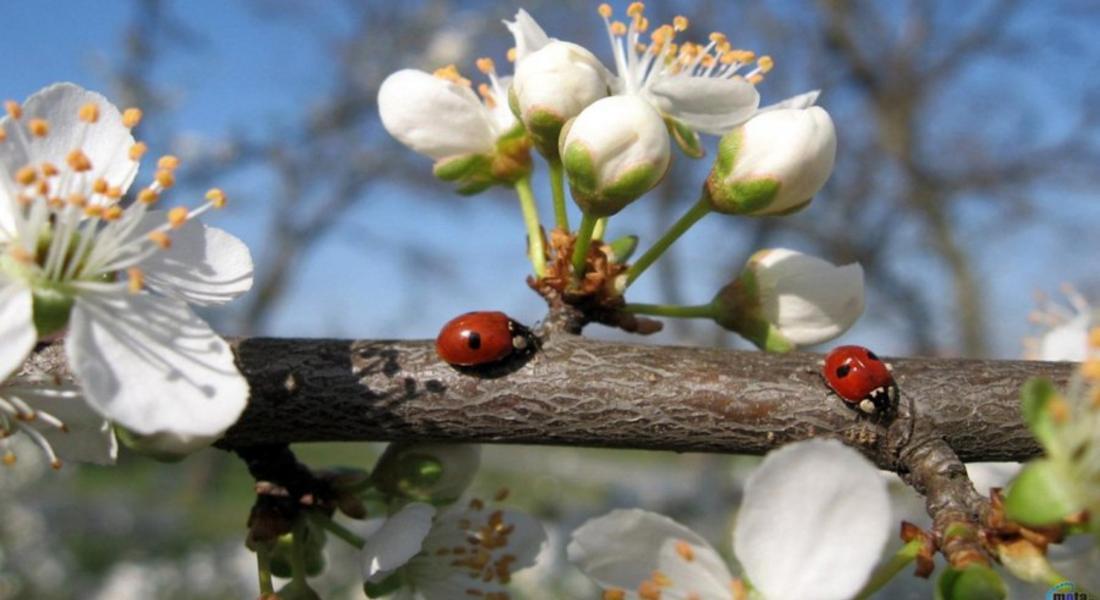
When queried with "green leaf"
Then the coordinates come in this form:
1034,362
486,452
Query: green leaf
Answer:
1035,397
686,138
1043,493
975,582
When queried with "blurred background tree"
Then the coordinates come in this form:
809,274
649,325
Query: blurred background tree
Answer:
966,177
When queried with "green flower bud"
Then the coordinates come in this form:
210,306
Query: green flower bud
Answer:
426,472
976,582
1044,493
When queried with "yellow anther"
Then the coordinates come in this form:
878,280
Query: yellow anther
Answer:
614,594
78,161
485,65
49,170
604,10
728,58
3,134
147,196
1094,337
21,255
131,117
78,200
755,79
112,213
15,111
114,192
165,178
718,37
177,217
641,24
765,64
685,550
9,458
216,197
1090,369
26,176
168,162
43,188
511,55
746,56
55,202
138,150
618,28
680,23
100,185
487,93
707,60
450,73
160,238
723,47
135,280
55,464
38,127
640,48
93,211
660,579
635,9
89,113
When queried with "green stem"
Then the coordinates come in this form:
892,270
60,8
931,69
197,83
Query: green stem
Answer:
696,212
888,571
699,311
298,552
535,248
263,570
557,187
601,228
338,530
580,246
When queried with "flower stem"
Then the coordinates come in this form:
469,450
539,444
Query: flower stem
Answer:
601,228
557,187
696,212
263,570
535,248
298,552
338,530
580,246
699,311
886,572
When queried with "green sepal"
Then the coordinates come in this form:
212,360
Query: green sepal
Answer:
1044,493
1035,397
686,138
622,249
609,199
976,582
737,308
461,167
744,197
545,130
385,587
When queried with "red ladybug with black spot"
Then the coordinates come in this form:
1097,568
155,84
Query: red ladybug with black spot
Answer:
481,339
860,378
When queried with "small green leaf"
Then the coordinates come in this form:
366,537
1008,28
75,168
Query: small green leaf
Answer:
1043,493
686,138
975,582
623,248
1035,397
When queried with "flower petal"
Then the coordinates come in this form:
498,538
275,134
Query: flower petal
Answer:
814,522
398,540
106,142
87,437
152,365
705,104
804,100
529,36
205,265
433,116
625,547
809,299
17,333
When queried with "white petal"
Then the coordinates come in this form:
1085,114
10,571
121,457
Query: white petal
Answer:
529,36
804,100
106,143
809,299
1068,341
814,522
89,437
561,78
623,548
17,333
397,541
152,365
434,117
204,265
704,104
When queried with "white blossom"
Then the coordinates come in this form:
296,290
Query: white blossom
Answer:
55,416
1065,330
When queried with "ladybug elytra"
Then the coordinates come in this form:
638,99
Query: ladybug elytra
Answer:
481,338
860,378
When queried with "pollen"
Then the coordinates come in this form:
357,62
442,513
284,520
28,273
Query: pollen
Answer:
685,551
49,170
13,108
78,161
138,150
635,9
485,65
93,211
680,23
38,127
661,579
78,200
135,280
476,504
161,239
618,28
114,192
177,217
112,213
165,178
89,113
169,162
765,64
26,176
131,117
216,197
487,94
604,10
9,458
450,73
755,79
718,37
148,196
511,55
641,24
100,186
614,594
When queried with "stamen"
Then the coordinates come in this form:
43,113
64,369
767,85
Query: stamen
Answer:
161,239
100,186
114,192
485,65
680,23
755,79
138,150
15,111
168,162
38,127
450,73
148,196
26,176
131,117
165,178
614,594
78,161
93,211
177,217
511,55
9,458
604,10
635,9
3,134
486,94
49,170
618,28
89,113
136,280
112,213
765,64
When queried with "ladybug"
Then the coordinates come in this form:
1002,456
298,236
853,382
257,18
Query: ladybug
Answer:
481,338
860,378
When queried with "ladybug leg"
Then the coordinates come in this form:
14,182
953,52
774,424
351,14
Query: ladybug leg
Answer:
868,406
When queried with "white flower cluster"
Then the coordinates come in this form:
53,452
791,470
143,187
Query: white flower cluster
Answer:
116,278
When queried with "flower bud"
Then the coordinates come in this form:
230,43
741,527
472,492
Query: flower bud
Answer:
615,151
552,85
427,472
774,163
785,299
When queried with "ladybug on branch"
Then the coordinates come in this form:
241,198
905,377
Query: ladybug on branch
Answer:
860,378
483,338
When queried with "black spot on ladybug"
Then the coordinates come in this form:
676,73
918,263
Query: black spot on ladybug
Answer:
473,340
872,355
843,370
